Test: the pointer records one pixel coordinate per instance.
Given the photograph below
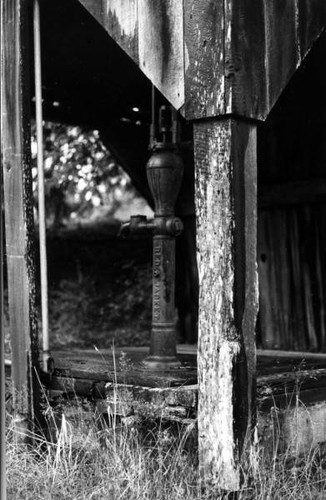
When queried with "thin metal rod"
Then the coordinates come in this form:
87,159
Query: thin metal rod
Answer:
40,171
2,364
152,127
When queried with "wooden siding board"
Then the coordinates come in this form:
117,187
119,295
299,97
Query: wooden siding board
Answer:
270,40
121,22
95,7
247,68
204,48
215,57
311,21
280,46
161,49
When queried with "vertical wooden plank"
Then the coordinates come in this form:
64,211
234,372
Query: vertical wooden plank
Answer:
121,21
205,27
311,19
299,324
225,158
280,46
15,126
95,7
246,68
321,278
161,49
267,332
306,265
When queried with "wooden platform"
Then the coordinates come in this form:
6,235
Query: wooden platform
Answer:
291,389
280,373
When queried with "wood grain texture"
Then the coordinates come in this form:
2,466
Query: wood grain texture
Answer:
96,8
204,58
240,56
292,193
311,16
15,144
246,65
271,38
161,52
106,366
280,47
121,22
292,272
151,33
219,56
225,158
289,385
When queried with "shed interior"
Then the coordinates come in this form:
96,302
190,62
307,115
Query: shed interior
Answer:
96,84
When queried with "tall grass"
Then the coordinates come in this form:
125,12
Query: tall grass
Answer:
95,458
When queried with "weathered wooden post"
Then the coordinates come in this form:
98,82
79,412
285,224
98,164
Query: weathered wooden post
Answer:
225,157
19,226
226,215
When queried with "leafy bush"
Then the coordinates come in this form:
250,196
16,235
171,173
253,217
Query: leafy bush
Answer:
81,175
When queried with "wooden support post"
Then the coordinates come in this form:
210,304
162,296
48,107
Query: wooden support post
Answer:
15,127
225,159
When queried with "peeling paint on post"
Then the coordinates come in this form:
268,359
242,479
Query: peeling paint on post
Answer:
225,158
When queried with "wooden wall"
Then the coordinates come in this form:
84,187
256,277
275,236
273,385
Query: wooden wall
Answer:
292,277
292,215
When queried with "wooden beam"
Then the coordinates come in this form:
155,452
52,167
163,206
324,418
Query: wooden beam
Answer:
121,22
270,40
292,193
225,162
15,145
151,33
241,55
205,24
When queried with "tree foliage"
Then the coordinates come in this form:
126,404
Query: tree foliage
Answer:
82,179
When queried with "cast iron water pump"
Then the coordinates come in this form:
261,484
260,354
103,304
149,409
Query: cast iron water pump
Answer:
164,173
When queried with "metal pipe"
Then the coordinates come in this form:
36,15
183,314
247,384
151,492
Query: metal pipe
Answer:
40,171
152,126
2,364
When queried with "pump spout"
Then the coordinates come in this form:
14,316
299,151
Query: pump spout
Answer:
138,224
124,230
